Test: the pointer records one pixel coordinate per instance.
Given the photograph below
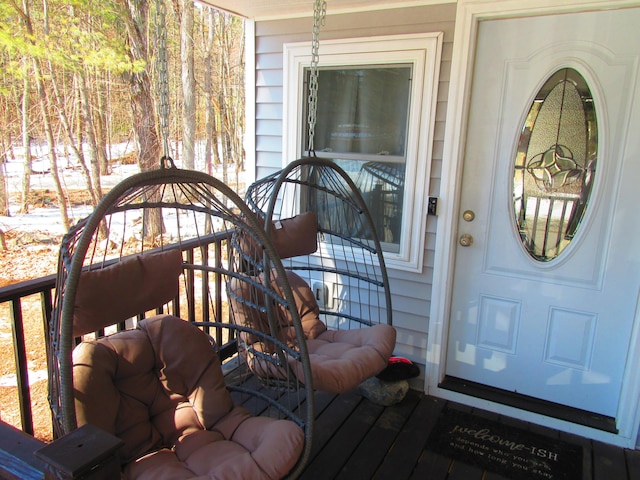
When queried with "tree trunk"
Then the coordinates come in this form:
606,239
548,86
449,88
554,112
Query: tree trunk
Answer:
222,96
4,195
210,114
26,143
89,134
144,124
188,85
76,147
100,125
53,157
4,158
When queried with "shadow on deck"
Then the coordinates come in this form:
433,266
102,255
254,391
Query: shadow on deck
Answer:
357,439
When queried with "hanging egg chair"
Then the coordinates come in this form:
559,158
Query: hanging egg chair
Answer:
141,344
321,228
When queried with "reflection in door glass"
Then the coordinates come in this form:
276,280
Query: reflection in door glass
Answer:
555,165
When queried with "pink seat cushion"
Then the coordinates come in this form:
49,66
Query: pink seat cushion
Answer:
340,359
161,387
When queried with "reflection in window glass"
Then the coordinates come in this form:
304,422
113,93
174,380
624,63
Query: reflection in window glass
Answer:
362,118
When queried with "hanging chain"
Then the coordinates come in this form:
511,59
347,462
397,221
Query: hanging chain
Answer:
319,14
162,80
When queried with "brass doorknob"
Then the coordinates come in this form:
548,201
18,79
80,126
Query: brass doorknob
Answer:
466,240
469,215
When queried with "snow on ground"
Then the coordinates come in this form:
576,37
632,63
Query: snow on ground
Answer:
46,219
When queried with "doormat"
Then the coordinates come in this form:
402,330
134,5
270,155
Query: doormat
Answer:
512,452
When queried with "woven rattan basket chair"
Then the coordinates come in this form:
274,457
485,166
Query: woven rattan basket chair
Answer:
320,226
141,326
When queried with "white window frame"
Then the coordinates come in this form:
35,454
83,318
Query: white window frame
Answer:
423,52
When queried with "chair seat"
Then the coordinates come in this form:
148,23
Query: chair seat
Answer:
342,359
240,446
160,388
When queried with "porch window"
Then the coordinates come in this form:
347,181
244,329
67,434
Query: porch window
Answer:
375,116
362,126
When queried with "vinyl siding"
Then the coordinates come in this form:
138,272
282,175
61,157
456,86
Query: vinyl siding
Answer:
411,291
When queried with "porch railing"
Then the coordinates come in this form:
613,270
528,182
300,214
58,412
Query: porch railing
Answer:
14,295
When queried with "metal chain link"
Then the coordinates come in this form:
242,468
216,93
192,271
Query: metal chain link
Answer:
319,14
162,77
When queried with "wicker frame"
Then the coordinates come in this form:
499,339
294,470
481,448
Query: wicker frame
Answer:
349,259
200,211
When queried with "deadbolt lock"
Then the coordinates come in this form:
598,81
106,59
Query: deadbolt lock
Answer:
469,215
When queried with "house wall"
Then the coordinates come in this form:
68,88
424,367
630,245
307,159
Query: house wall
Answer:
411,291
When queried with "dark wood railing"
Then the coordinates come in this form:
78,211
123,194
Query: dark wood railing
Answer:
14,295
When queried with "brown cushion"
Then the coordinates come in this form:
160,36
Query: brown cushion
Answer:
160,389
258,448
120,291
245,297
342,359
146,388
295,236
290,237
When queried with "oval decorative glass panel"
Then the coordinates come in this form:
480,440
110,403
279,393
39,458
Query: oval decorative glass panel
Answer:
555,165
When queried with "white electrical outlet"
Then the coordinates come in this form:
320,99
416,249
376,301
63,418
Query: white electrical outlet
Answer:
322,294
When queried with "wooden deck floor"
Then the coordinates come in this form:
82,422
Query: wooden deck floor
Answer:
356,439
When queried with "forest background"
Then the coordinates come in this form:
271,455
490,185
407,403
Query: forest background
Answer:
81,107
79,79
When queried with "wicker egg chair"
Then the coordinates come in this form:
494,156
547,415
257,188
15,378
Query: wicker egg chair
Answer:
322,230
140,338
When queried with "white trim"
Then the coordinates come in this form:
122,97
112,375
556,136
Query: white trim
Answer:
423,51
265,10
469,13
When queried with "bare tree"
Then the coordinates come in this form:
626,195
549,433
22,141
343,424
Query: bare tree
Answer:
25,16
211,145
26,136
87,117
188,84
230,98
4,194
74,145
137,25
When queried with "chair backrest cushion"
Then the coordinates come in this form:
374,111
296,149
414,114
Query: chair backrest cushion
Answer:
120,291
295,236
248,300
150,386
291,237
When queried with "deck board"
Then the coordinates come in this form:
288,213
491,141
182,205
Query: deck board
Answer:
371,451
633,463
357,440
431,465
337,453
608,461
411,439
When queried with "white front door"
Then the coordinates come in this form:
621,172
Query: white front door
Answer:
555,330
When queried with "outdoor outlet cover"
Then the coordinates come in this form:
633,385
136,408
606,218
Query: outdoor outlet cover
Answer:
321,293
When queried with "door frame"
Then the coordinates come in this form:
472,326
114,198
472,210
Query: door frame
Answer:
468,15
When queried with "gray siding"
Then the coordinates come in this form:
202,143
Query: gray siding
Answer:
411,291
